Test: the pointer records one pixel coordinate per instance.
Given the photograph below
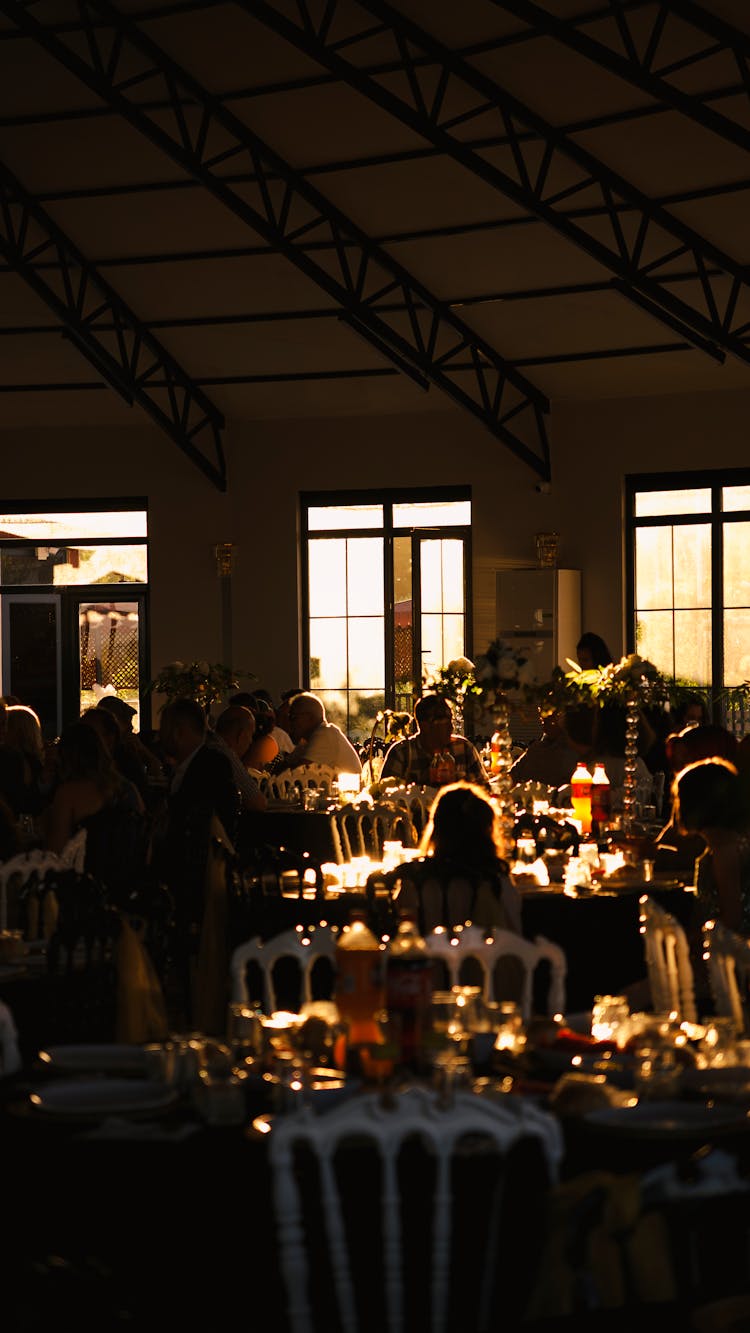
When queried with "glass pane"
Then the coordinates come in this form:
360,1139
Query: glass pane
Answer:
327,577
366,653
650,504
30,659
653,568
335,703
364,706
403,646
57,526
692,646
338,517
692,565
66,565
453,638
432,644
653,639
735,497
108,652
365,576
430,556
328,654
437,514
453,576
736,567
736,647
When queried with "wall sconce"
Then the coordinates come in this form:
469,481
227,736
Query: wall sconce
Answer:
546,548
224,556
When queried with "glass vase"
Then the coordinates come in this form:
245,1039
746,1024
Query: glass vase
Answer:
632,710
501,780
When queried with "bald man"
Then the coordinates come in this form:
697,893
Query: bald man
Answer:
317,741
233,731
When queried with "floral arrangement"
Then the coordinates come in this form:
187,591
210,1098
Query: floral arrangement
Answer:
450,682
502,673
206,682
632,678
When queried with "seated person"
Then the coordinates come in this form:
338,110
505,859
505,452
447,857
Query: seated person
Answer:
411,760
263,749
281,737
462,875
133,757
551,759
91,795
677,848
23,733
709,800
232,736
316,740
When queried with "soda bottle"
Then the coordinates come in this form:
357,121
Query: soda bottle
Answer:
442,769
601,798
580,795
409,985
359,991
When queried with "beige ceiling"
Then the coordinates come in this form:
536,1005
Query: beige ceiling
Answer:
212,290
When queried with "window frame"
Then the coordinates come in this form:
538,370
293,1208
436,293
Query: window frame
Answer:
715,480
388,497
70,594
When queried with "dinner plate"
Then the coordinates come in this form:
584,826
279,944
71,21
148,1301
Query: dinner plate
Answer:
69,1098
662,1119
730,1081
86,1058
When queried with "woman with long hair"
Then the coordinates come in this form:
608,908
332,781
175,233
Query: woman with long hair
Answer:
462,875
709,799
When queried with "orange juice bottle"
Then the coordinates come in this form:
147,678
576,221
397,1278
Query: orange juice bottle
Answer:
580,795
359,992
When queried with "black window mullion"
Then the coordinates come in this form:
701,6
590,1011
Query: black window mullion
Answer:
717,600
389,608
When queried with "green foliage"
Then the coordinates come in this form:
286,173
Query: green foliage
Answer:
206,682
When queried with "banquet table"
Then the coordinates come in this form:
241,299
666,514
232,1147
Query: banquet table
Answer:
165,1218
291,827
599,932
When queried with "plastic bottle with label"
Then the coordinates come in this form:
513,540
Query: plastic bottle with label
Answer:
359,992
580,796
442,769
409,986
601,799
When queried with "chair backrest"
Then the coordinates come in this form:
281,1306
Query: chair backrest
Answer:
314,775
349,824
670,972
319,1163
305,946
488,947
727,956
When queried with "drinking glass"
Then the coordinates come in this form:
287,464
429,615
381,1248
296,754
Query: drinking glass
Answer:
657,1073
452,1036
609,1014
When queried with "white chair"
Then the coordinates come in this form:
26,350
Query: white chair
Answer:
727,956
670,972
407,1264
306,946
488,947
314,775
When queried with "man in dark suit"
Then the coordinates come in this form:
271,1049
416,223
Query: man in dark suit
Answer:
202,790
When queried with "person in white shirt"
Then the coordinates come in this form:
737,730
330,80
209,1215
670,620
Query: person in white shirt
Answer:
317,741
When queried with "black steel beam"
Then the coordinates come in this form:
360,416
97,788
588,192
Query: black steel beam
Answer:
126,354
369,372
117,60
643,58
550,292
538,174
